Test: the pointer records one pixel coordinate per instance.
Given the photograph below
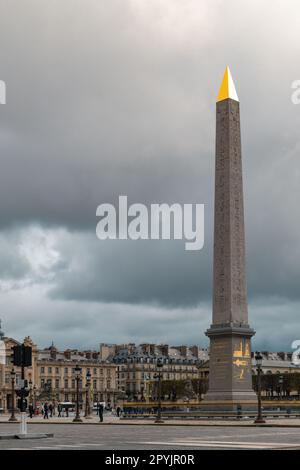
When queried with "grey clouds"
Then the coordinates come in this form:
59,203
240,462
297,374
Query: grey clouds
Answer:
118,97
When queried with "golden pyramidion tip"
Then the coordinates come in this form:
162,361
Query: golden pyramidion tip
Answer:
227,88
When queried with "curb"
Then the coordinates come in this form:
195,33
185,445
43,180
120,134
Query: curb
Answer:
25,436
225,425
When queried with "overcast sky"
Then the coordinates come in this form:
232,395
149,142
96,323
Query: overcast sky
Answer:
112,97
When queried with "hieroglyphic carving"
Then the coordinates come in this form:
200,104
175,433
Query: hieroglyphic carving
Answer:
230,293
230,351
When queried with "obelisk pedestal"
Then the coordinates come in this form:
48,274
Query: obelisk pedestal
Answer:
230,377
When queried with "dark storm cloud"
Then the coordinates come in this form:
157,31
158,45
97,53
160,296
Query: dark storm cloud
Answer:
109,98
92,113
133,272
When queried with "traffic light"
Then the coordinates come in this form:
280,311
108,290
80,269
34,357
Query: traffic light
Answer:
22,356
22,404
22,392
17,355
27,356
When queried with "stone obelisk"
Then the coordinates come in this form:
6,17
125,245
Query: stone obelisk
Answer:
230,381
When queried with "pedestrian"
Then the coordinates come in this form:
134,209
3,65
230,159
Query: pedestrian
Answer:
46,411
51,410
100,411
59,408
118,411
31,410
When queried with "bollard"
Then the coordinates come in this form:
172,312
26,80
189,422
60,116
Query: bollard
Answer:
23,423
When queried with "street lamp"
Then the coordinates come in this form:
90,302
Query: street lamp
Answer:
30,390
77,371
280,381
87,413
199,367
158,376
258,359
34,398
12,416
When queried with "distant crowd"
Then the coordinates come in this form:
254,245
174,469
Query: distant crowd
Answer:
48,410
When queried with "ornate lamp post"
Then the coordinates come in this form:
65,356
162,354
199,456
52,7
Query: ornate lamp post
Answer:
158,376
199,367
280,381
13,377
34,398
77,418
30,390
258,359
87,413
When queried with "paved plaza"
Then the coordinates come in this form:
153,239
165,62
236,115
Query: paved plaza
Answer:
117,436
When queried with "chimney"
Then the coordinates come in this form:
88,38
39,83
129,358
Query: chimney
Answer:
67,354
195,351
164,348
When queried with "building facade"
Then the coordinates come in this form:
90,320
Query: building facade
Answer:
51,377
56,376
6,367
137,366
116,371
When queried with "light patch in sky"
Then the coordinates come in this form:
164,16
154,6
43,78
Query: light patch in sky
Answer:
37,246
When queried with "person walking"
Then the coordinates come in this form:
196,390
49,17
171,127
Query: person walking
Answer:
59,408
51,410
118,411
100,411
46,411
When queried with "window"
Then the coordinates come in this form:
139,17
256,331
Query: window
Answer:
56,383
73,383
95,384
66,383
49,370
56,370
66,370
42,370
95,371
